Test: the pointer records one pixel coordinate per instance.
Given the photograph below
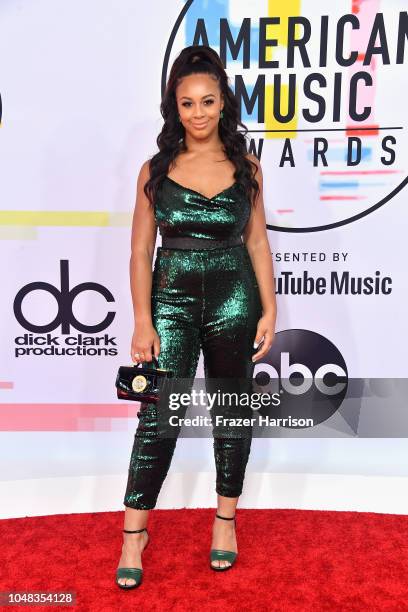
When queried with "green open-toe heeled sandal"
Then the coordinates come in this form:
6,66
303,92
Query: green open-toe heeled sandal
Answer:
217,554
133,573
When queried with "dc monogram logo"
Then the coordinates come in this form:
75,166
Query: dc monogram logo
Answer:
65,298
308,371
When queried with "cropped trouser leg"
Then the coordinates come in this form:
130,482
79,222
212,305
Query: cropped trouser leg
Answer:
208,301
231,313
152,453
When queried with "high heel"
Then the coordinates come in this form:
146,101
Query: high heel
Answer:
133,573
217,554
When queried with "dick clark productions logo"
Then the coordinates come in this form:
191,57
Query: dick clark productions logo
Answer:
65,319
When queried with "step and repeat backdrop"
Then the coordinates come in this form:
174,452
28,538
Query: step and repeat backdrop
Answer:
321,88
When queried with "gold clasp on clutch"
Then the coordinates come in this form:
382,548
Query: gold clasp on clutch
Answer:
139,383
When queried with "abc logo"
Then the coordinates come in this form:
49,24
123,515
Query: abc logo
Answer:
65,298
309,372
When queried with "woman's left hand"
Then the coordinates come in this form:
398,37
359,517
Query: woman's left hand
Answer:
265,330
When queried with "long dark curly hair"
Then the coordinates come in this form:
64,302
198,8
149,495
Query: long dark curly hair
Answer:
200,59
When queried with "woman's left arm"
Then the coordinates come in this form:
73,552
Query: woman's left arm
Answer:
256,241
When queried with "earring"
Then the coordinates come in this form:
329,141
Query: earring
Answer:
179,119
221,114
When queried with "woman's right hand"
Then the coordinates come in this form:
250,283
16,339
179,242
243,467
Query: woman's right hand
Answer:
144,337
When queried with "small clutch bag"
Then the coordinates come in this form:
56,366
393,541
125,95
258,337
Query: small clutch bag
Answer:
141,384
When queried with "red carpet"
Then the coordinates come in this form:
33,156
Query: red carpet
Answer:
288,560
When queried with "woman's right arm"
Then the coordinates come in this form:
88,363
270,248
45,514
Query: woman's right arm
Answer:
143,240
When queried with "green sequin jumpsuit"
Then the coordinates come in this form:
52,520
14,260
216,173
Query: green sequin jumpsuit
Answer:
205,300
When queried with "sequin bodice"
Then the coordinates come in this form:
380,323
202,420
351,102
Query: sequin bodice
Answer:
180,211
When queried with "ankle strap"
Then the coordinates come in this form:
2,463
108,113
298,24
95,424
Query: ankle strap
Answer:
135,531
225,518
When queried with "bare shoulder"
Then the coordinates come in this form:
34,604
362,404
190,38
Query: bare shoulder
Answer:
253,158
144,172
258,170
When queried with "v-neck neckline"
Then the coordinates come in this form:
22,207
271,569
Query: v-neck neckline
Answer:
201,194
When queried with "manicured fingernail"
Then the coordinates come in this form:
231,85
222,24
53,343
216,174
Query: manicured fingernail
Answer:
256,344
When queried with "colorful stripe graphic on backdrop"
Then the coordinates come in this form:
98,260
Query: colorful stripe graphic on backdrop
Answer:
67,417
22,224
358,39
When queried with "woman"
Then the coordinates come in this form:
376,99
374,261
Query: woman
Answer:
209,290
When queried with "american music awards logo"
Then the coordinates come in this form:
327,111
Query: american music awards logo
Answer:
320,88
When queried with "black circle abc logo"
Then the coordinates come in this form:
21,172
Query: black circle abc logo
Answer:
65,298
309,372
